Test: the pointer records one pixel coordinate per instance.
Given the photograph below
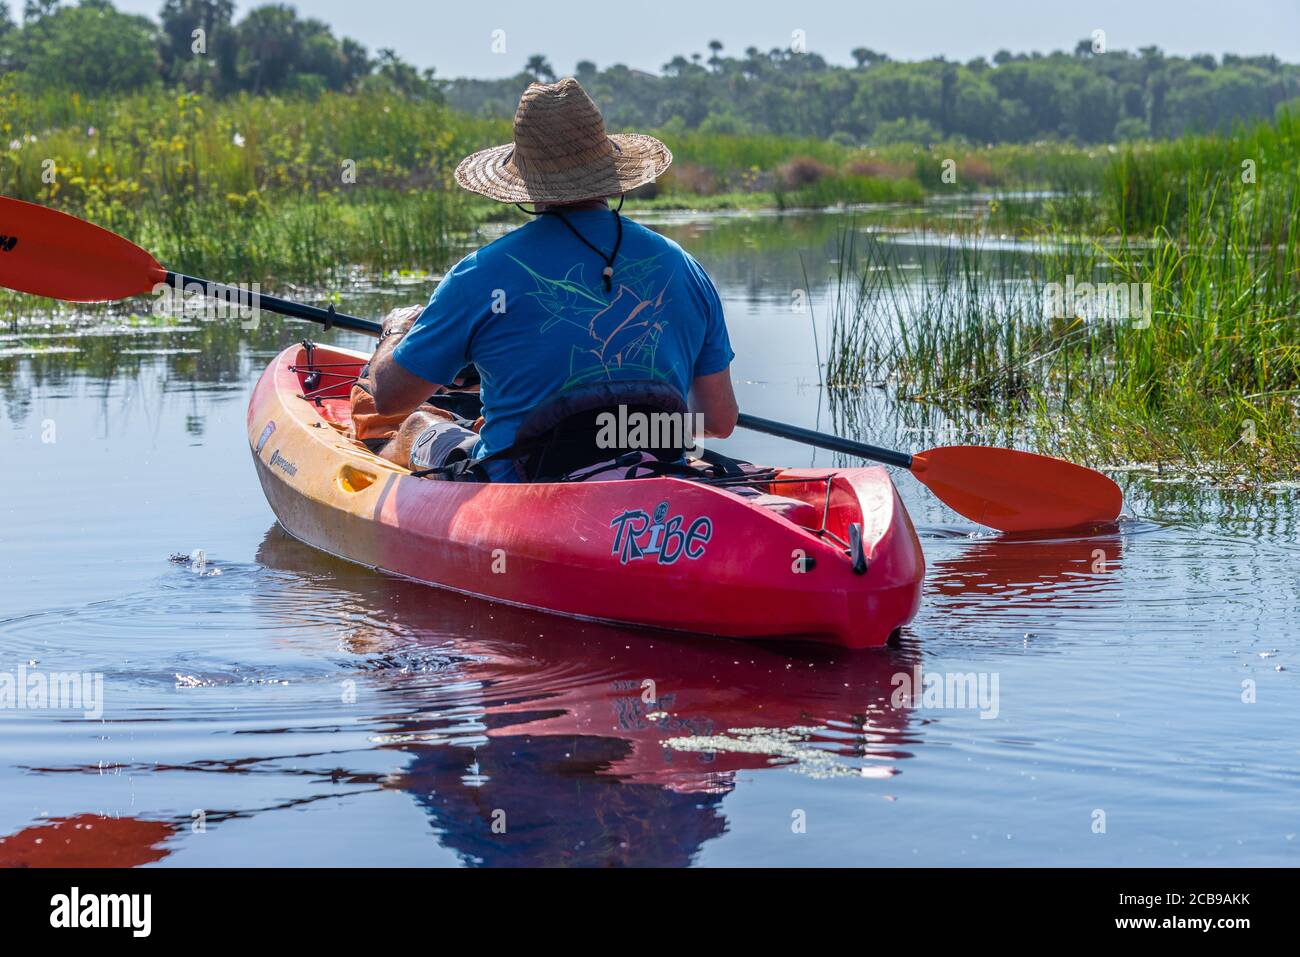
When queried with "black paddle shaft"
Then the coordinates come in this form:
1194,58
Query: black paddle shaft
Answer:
824,441
284,307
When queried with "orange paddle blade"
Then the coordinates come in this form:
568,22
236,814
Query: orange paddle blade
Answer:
1016,491
48,253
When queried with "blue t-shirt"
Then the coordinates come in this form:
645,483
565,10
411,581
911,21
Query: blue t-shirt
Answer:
530,310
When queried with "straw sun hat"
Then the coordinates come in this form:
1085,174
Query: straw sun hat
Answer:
561,153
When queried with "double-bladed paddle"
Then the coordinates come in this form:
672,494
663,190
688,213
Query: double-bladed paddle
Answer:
48,253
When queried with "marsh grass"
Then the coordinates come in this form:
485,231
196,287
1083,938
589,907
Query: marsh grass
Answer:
250,189
312,240
709,163
848,190
266,188
1211,383
1154,186
957,327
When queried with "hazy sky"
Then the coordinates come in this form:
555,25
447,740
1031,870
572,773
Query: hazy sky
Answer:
456,37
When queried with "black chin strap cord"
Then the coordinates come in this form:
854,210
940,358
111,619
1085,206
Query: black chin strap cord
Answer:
608,272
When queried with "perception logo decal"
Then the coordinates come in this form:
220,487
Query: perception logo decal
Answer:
638,535
266,434
284,465
7,243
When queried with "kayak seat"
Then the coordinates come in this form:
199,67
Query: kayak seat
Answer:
463,405
461,398
595,423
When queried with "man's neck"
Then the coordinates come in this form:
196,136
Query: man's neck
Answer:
572,207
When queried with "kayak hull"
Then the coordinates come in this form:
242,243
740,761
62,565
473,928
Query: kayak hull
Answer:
658,552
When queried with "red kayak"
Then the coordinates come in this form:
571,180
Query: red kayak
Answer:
820,554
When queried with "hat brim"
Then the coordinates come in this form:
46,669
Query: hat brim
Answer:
637,159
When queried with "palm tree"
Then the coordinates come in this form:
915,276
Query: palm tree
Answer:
540,68
676,66
34,10
715,47
864,57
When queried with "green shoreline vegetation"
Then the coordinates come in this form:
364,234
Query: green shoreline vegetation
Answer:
300,161
1205,379
292,189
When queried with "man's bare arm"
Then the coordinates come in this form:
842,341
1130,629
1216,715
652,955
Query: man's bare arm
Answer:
397,391
712,396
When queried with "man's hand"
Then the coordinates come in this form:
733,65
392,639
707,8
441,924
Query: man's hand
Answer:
396,391
398,322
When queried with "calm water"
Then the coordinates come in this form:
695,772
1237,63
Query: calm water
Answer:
280,707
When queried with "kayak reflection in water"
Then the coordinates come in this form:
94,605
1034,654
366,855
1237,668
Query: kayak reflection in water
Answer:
545,741
87,840
575,298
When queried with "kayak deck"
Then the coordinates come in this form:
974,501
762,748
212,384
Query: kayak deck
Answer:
661,552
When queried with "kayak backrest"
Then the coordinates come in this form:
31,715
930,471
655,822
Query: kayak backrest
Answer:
594,423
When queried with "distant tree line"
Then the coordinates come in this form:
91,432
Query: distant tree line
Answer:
91,47
1081,96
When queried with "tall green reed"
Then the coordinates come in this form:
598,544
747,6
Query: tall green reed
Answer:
1210,380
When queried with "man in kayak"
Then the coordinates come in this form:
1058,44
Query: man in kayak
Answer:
577,296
